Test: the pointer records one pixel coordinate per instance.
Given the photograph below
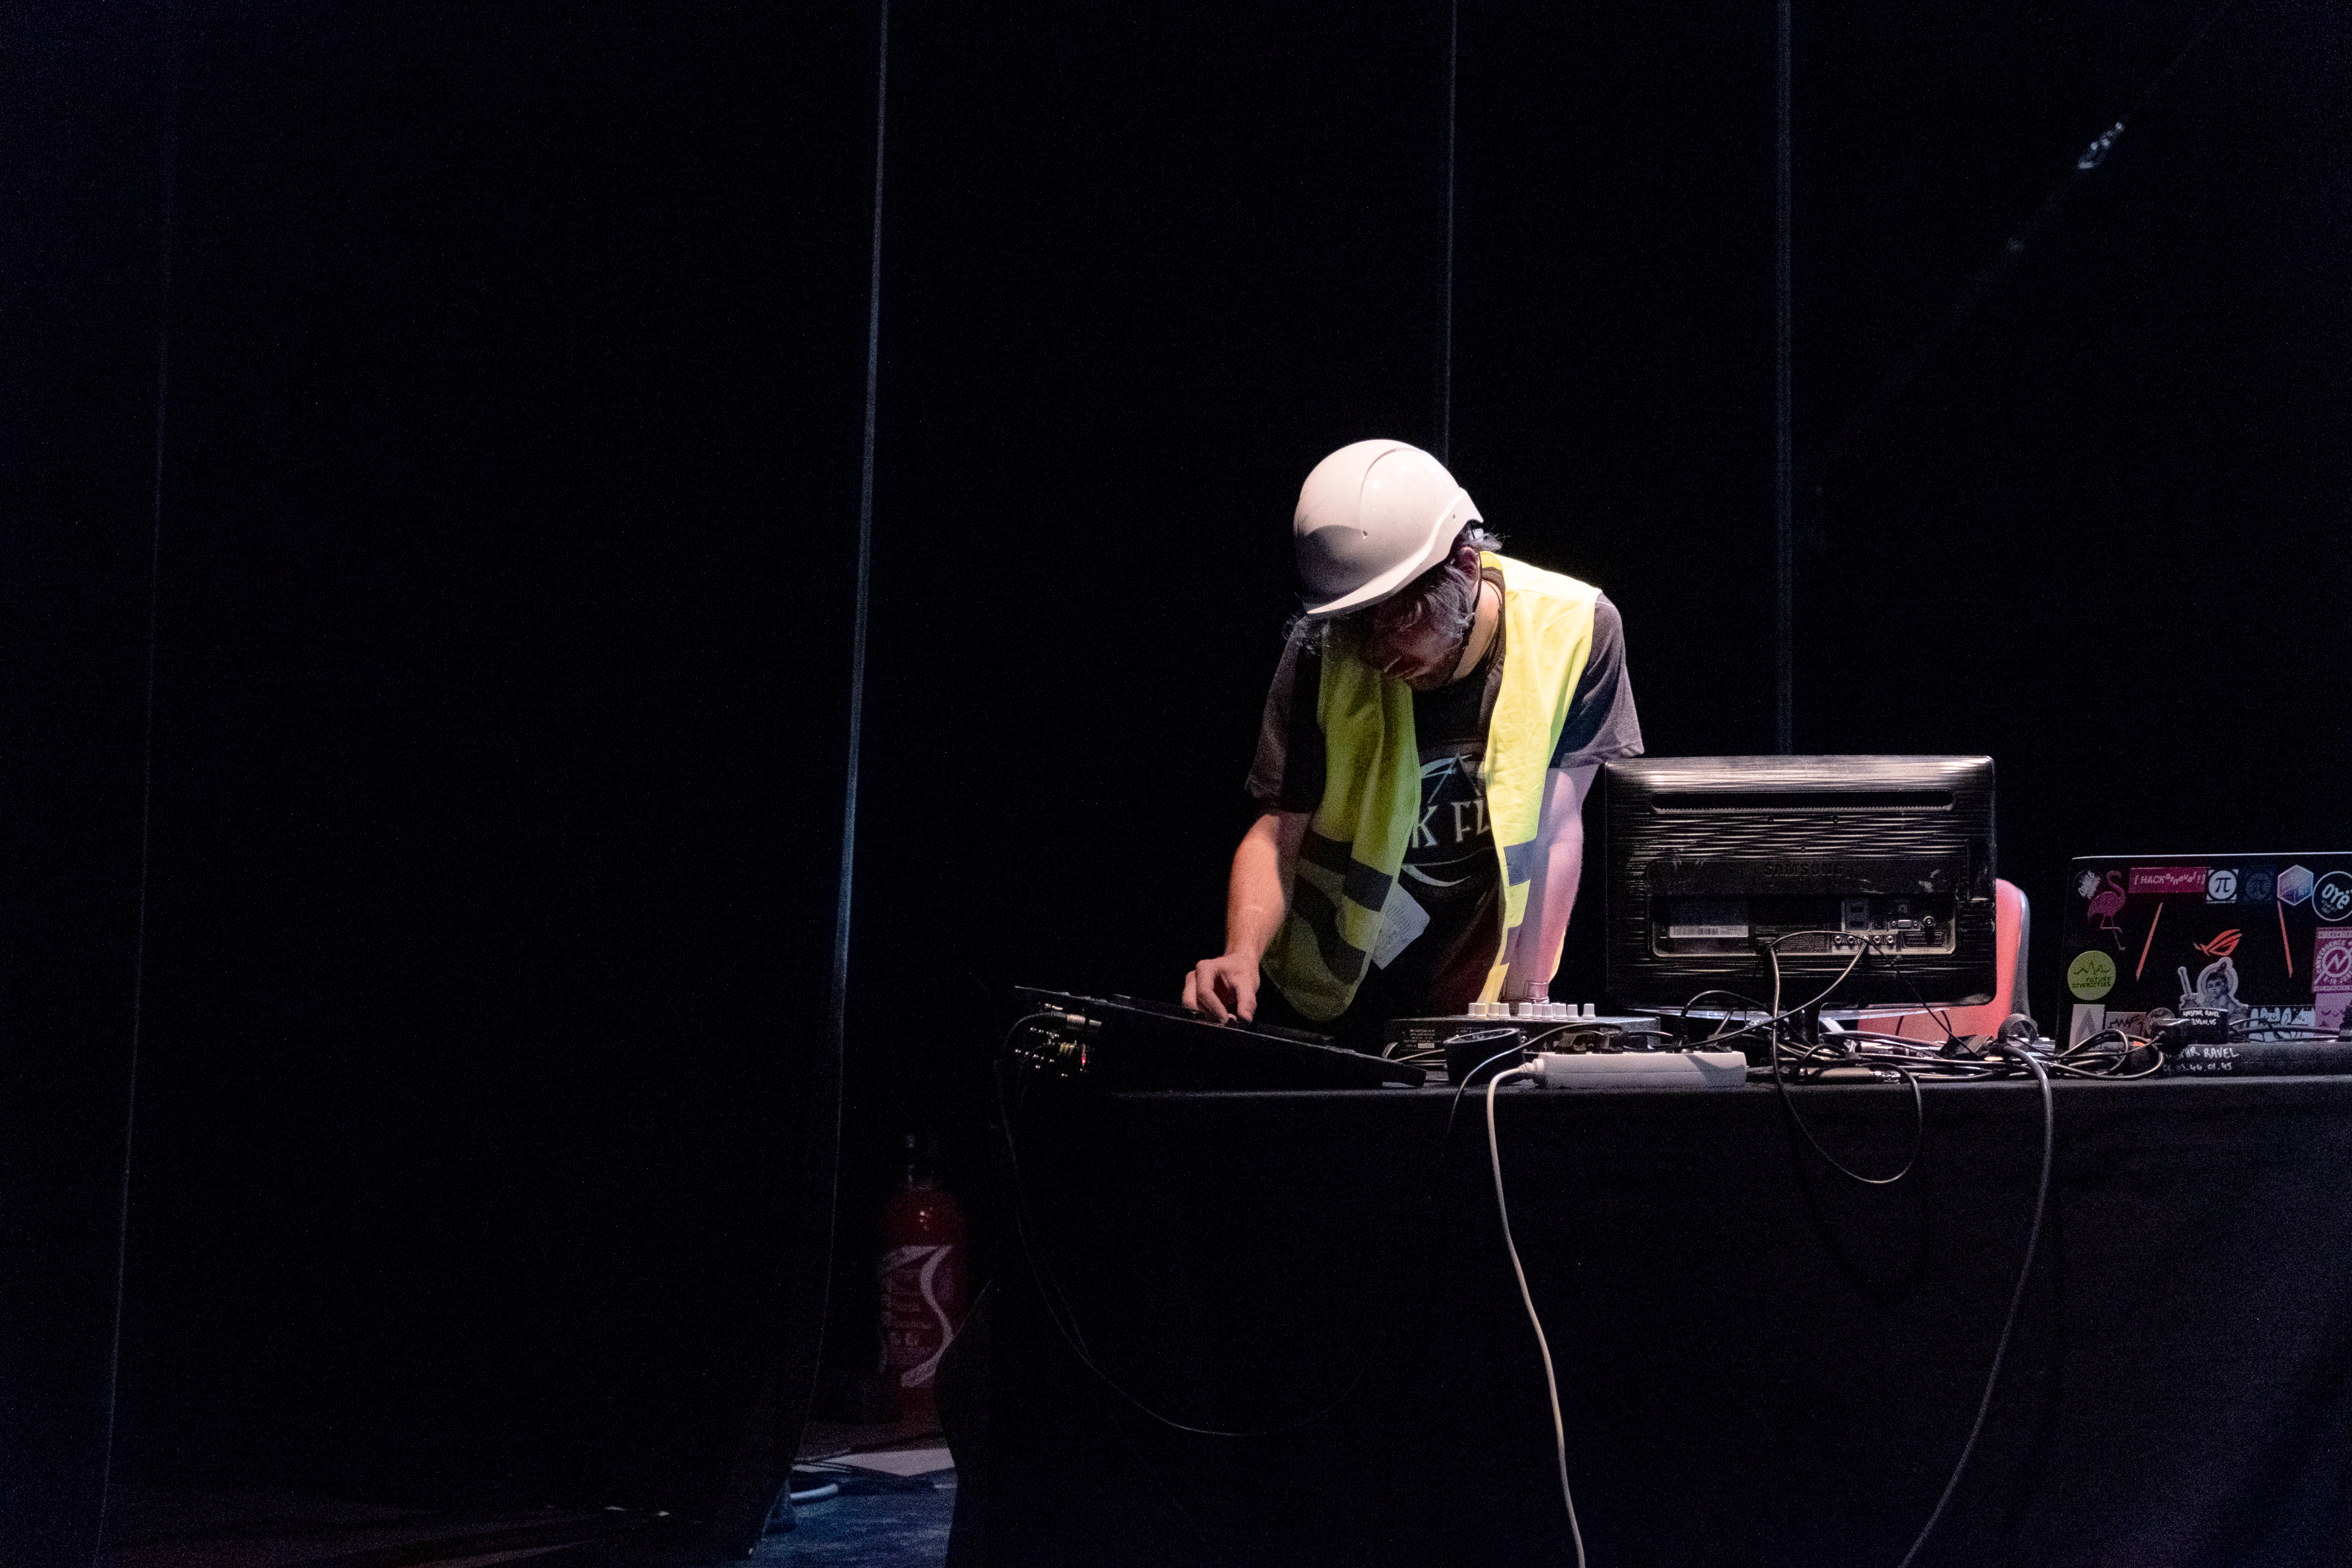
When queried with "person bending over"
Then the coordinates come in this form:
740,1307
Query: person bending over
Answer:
1435,720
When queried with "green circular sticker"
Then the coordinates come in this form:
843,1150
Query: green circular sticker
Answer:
2091,976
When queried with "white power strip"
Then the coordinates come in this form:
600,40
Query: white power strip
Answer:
1640,1069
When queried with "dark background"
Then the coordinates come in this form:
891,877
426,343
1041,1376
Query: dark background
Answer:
508,497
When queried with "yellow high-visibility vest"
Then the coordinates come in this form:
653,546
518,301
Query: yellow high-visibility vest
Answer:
1355,841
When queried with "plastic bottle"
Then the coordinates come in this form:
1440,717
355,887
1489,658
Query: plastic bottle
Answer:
921,1271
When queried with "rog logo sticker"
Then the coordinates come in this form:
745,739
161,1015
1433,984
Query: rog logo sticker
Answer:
2222,946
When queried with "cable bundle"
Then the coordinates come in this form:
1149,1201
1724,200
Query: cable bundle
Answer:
1800,1046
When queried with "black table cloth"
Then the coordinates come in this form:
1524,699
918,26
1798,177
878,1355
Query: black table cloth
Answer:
1759,1361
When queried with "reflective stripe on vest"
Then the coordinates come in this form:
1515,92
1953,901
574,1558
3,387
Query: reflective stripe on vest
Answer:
1355,842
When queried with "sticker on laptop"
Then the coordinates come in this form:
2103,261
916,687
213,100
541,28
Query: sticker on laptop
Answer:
2216,986
2091,976
2267,1021
2331,958
2222,946
2106,901
2294,884
2331,975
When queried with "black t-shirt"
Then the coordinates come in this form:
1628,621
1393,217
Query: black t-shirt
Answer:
1449,862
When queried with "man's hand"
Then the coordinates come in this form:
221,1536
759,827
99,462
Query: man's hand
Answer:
1224,987
1558,867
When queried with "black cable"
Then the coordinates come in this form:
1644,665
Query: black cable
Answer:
2032,1239
1918,1106
1943,1019
2016,1297
2097,1057
1918,1131
2068,1059
1773,1013
1456,1103
1864,946
1683,1015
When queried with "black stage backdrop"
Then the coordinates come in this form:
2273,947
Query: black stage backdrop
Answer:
499,695
76,458
509,486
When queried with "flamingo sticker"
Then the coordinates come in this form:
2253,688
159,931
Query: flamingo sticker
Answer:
2106,905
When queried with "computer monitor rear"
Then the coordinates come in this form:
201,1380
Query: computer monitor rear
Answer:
1710,858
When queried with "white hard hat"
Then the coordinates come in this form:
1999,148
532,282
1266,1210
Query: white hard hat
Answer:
1371,518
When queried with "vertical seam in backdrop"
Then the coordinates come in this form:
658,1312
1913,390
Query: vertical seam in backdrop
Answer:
1445,316
1784,460
828,1113
170,173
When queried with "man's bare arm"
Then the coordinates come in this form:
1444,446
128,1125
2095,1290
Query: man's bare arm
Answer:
1227,986
1551,883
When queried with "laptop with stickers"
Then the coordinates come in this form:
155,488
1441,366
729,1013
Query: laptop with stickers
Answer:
2264,940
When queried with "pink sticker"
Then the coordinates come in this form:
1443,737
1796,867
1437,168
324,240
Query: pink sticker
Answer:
2331,975
2163,881
2331,958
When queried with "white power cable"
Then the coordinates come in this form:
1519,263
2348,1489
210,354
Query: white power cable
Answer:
1551,1379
